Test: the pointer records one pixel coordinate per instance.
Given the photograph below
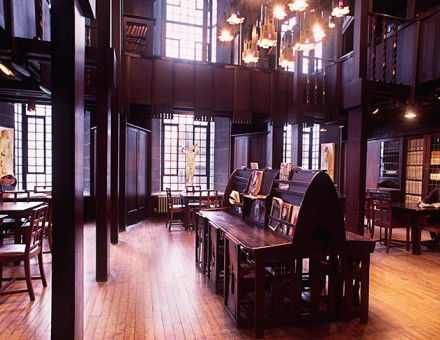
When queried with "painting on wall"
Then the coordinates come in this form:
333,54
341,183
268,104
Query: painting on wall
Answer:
6,151
328,159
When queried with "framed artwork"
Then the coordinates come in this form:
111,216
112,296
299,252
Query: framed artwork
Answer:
275,211
285,170
6,151
328,159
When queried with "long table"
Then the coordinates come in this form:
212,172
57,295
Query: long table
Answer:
415,212
266,246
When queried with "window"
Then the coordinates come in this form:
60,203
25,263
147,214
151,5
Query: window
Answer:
185,29
311,147
179,132
287,143
33,146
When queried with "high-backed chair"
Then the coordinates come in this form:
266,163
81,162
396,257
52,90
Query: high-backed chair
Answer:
33,246
383,217
211,200
171,210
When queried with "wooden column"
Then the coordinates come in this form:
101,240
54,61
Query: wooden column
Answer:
274,150
103,128
356,102
68,53
297,148
356,169
116,110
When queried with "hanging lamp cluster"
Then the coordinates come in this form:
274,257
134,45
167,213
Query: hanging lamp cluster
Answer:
309,28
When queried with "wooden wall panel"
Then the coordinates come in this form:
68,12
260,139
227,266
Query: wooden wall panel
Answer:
242,111
184,85
131,175
257,149
142,8
224,89
204,88
241,151
428,28
260,82
162,82
140,83
373,163
279,95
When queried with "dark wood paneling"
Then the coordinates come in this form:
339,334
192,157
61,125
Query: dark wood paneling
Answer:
224,89
136,178
183,85
241,152
257,149
162,82
140,84
260,83
373,163
242,90
204,88
427,58
142,8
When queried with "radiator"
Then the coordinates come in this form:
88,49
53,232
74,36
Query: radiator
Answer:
162,206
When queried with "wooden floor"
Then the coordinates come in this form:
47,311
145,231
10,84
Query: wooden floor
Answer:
155,292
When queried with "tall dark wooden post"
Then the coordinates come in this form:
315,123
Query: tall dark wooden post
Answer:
68,53
356,103
116,110
103,126
274,148
297,147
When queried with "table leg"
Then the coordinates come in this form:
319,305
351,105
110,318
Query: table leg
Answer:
259,297
416,236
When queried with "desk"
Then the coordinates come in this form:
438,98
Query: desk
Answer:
264,245
187,196
415,211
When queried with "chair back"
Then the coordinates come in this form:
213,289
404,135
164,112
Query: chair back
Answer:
211,199
193,188
169,198
368,206
34,235
382,211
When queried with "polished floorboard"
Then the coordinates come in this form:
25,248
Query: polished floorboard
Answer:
155,292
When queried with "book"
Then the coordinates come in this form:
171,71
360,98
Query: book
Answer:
285,211
234,197
255,182
294,216
285,170
254,166
275,211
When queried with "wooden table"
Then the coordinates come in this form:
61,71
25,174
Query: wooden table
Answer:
415,211
264,245
18,210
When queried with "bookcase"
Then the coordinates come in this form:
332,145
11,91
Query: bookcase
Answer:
433,180
390,163
415,148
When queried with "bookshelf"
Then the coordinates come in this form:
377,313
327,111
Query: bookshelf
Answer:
414,169
390,159
138,33
434,163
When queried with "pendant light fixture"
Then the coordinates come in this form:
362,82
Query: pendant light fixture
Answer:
235,18
318,29
225,35
250,52
287,56
298,5
340,10
268,34
279,12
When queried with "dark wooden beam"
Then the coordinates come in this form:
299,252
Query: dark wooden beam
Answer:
274,148
68,45
356,169
116,110
103,125
297,144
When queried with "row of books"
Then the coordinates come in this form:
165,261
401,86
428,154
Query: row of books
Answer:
137,30
136,45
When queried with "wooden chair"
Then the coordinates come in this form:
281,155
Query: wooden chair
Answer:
433,228
211,200
24,252
171,210
383,217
